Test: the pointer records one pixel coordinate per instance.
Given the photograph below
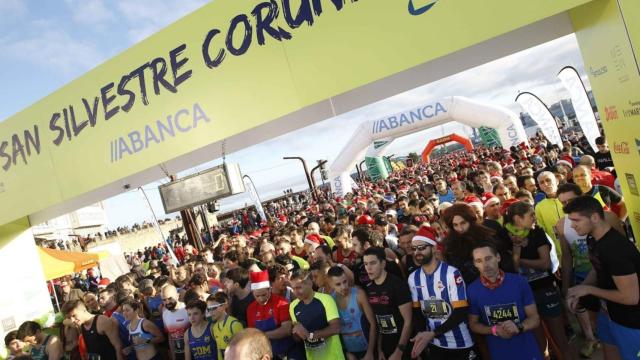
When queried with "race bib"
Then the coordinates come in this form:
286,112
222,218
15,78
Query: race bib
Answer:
178,345
314,344
435,309
501,313
386,324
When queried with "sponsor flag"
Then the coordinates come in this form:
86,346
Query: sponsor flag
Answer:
581,104
540,113
248,184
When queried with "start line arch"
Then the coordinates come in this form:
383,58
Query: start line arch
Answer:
464,141
382,131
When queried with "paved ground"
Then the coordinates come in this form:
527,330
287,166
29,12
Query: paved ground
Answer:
577,344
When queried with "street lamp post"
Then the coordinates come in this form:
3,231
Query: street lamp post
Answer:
361,171
306,173
320,164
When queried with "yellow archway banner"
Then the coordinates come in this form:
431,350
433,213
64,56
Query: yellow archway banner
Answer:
58,263
223,70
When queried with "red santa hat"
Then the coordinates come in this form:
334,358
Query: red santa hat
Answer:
567,160
472,200
427,235
103,283
489,198
314,240
506,204
282,219
259,280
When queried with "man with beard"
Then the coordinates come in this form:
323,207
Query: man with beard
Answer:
176,321
269,313
440,300
411,261
107,300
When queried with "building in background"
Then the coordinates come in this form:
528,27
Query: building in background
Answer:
86,222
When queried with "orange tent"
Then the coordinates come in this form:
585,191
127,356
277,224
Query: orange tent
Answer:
58,263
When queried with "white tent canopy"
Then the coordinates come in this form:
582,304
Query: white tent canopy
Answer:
421,117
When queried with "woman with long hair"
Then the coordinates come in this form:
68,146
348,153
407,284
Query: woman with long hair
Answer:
464,231
532,255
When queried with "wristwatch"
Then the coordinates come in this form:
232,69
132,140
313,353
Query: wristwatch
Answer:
402,347
520,327
310,336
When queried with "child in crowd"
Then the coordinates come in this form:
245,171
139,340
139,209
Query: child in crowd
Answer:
225,325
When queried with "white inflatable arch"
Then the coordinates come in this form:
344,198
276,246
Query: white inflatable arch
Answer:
381,132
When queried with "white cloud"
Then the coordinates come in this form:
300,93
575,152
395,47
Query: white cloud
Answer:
92,13
47,46
146,18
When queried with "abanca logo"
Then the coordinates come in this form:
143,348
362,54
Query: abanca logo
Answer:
422,9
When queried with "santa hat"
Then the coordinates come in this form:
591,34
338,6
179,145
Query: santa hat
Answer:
314,240
365,220
282,219
568,160
472,200
103,283
259,280
489,199
506,204
427,235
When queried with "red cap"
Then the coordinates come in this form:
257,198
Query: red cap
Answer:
282,219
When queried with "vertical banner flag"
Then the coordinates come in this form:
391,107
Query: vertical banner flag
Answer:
581,104
253,193
540,113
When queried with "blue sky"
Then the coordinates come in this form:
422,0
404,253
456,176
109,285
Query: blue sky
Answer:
46,44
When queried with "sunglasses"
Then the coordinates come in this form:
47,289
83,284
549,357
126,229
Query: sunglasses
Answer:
419,248
213,307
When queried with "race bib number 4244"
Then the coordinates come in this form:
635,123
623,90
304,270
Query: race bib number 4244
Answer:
501,313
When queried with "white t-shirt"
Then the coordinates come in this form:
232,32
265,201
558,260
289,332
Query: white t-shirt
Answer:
176,323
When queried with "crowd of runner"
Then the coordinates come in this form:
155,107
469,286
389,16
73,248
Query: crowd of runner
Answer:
486,254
